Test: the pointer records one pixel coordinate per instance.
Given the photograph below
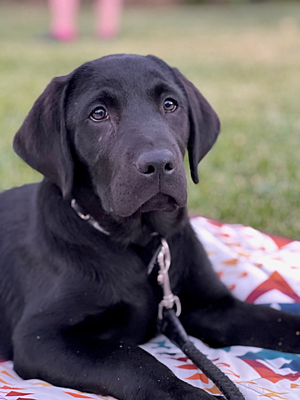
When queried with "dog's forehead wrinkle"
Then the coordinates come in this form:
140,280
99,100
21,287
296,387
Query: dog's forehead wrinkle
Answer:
106,96
159,87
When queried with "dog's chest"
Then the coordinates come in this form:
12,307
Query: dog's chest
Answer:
123,301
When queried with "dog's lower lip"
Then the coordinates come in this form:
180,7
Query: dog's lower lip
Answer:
160,202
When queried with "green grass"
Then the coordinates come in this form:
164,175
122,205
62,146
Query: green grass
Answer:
244,58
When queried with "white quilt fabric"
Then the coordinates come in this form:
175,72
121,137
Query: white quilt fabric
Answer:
257,268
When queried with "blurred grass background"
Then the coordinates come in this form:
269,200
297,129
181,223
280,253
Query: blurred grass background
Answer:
245,59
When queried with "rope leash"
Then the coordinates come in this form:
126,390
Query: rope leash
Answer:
172,328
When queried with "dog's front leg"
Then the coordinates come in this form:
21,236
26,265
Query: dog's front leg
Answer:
211,313
229,321
66,359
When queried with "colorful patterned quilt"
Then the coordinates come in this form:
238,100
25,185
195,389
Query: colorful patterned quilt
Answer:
257,268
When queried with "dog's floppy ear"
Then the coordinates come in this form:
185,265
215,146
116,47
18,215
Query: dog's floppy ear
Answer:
204,124
42,140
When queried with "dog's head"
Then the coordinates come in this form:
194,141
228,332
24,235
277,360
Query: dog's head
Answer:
124,123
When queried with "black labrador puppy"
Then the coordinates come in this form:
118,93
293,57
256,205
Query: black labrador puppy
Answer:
75,295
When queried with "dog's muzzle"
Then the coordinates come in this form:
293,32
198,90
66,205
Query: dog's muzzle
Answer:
156,181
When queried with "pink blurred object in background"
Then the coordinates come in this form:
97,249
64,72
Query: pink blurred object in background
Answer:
64,13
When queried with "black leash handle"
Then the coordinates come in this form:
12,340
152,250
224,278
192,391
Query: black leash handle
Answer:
172,328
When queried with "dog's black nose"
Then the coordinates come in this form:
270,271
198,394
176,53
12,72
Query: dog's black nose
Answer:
156,162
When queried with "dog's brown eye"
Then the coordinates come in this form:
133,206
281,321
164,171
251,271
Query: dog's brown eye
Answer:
99,114
170,105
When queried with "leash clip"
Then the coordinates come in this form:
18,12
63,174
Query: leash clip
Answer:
169,299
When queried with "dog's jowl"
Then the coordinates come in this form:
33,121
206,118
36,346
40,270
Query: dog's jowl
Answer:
76,298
